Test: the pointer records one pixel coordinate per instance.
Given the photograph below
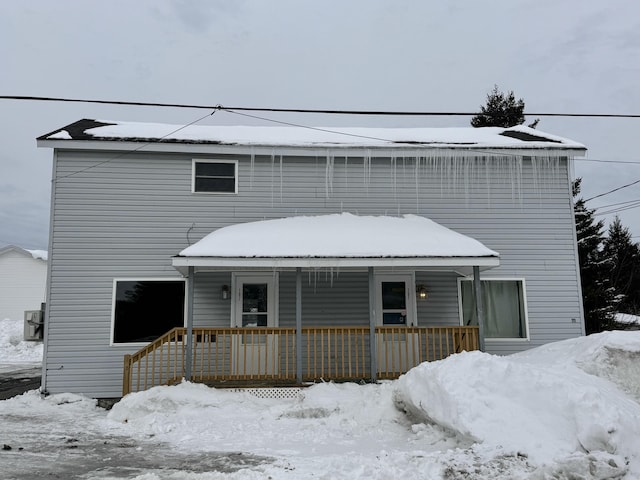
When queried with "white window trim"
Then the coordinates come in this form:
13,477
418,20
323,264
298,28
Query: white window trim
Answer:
524,300
236,277
141,279
212,160
410,278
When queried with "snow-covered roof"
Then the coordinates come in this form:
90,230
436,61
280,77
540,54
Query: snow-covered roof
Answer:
36,254
518,137
337,240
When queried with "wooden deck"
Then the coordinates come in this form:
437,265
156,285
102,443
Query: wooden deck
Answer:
267,356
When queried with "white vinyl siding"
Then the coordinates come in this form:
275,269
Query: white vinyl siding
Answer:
127,216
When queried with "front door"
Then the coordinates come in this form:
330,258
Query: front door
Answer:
255,349
395,310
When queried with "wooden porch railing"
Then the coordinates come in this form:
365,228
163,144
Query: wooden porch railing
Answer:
268,355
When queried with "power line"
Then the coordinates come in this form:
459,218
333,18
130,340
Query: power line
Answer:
303,110
613,190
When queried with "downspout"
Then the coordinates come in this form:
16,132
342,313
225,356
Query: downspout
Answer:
477,294
372,327
189,346
299,325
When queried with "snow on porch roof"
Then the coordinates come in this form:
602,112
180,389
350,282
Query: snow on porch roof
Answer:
337,240
518,137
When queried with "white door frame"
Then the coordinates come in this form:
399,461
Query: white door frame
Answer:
397,352
238,280
255,354
410,294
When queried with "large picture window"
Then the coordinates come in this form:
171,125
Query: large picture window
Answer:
215,176
504,307
146,309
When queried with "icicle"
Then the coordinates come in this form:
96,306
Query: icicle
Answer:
417,181
280,179
328,176
346,174
273,167
253,161
394,178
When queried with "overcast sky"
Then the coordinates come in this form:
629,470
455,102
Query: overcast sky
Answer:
575,56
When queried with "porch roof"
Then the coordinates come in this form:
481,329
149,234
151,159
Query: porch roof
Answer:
337,241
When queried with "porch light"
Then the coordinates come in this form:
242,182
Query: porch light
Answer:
225,292
421,292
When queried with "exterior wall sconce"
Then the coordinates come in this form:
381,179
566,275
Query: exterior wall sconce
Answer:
225,292
421,292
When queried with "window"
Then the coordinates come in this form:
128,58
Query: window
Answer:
145,309
219,176
504,307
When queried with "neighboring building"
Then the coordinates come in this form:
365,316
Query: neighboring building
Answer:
23,281
352,289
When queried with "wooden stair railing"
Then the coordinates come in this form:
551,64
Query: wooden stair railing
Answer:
173,337
268,355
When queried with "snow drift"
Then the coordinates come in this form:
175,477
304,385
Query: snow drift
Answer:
549,404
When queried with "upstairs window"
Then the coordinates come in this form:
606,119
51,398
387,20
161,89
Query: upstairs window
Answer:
215,176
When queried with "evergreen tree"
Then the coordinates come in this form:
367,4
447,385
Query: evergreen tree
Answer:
624,266
598,295
500,111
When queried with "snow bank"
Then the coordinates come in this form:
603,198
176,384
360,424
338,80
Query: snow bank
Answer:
614,356
13,349
542,404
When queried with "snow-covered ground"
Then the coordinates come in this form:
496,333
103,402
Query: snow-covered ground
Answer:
14,351
568,410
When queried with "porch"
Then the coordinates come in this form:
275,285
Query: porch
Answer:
282,356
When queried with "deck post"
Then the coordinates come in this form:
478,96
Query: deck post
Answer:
299,324
189,349
126,375
477,293
372,327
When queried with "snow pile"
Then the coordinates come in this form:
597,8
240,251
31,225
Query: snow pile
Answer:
552,404
13,349
326,419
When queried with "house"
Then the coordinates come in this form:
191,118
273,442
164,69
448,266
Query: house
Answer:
283,255
23,279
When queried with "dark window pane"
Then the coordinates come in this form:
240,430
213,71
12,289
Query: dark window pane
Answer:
254,297
226,185
393,295
215,170
394,319
147,309
254,320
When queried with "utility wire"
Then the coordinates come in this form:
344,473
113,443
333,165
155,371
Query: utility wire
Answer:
613,190
303,110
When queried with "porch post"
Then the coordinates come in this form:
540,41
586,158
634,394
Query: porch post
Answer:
299,324
477,293
189,349
372,327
